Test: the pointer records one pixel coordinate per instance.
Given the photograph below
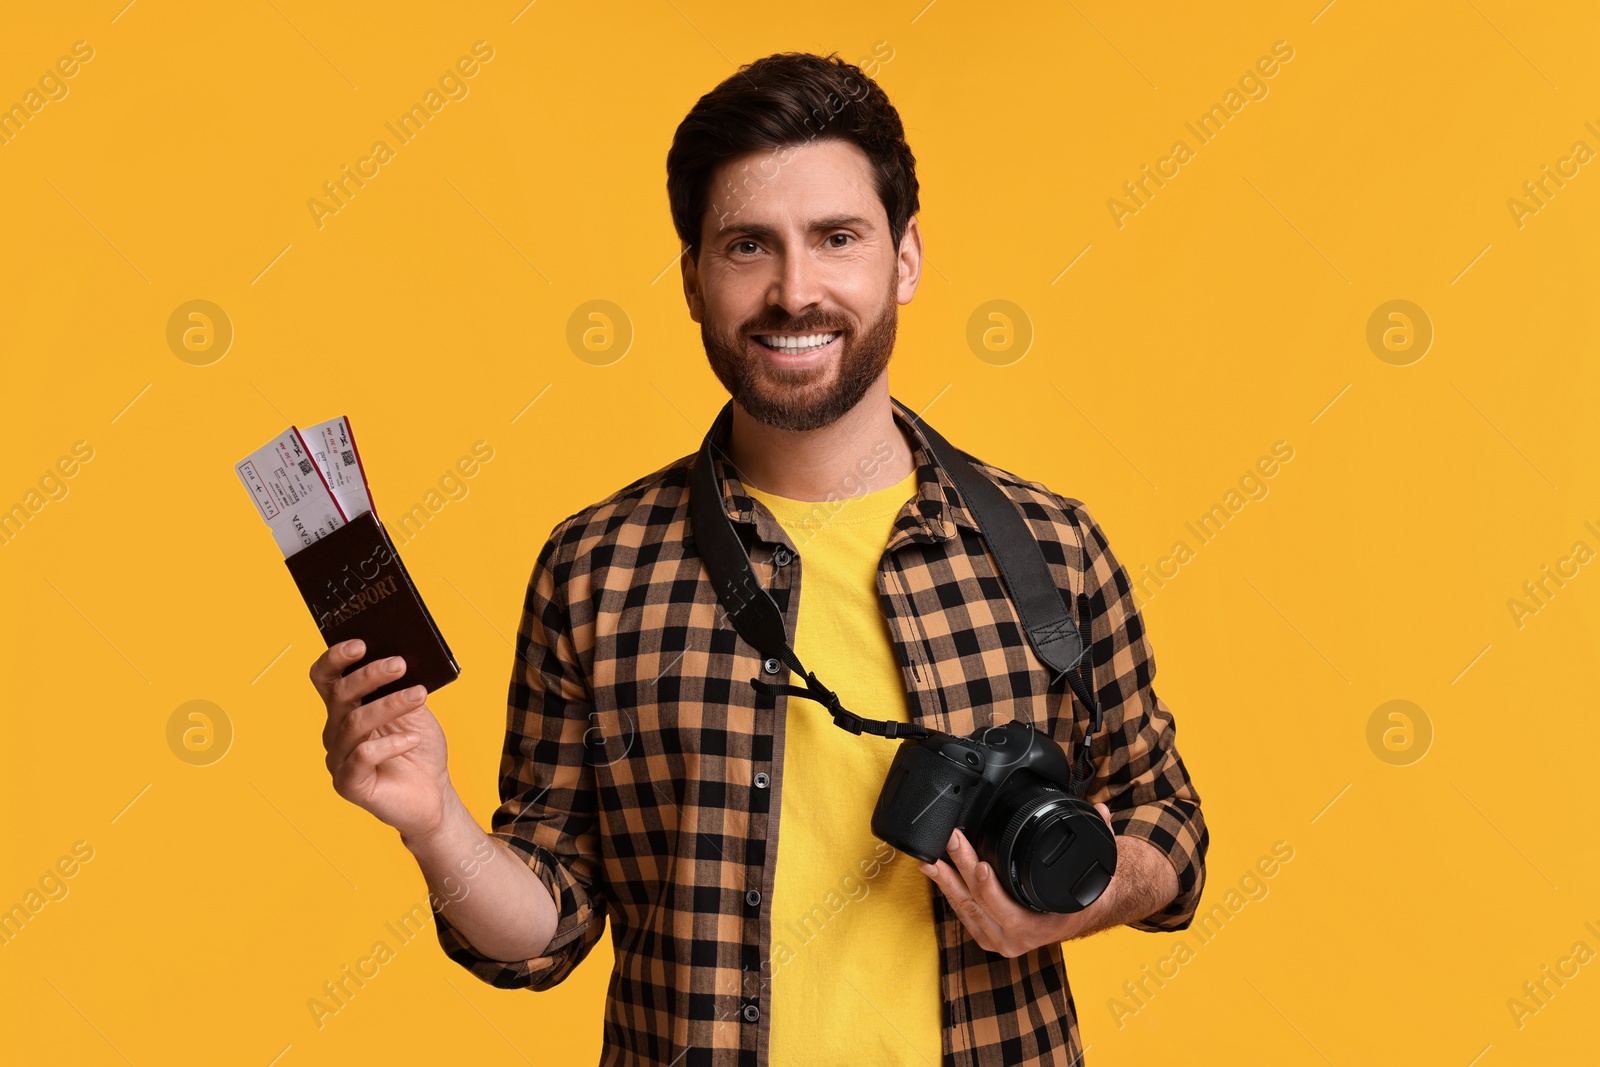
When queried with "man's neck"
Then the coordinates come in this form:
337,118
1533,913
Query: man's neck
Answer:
863,451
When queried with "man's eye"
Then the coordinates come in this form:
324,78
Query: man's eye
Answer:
742,246
842,237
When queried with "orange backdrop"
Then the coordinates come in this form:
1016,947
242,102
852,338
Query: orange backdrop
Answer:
1298,298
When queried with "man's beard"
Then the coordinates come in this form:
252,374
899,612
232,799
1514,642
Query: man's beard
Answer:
797,399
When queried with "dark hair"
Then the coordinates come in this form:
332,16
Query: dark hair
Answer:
786,100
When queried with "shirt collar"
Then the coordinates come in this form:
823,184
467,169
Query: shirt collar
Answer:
931,515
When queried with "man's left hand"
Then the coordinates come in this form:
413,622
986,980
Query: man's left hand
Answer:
996,921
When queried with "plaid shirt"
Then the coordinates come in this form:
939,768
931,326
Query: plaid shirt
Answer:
641,772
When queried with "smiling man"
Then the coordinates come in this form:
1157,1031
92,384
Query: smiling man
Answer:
724,831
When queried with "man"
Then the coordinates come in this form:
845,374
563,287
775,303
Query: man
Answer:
645,781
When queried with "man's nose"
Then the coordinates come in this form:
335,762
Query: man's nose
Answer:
798,285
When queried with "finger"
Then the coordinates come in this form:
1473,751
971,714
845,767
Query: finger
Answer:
949,882
344,697
983,886
1105,813
365,758
1006,912
960,892
331,665
967,908
947,879
965,860
361,722
352,687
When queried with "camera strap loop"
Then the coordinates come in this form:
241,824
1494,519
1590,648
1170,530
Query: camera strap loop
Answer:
1083,767
1083,674
842,718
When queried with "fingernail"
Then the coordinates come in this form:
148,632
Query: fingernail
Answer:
416,692
353,648
983,872
393,664
927,870
955,840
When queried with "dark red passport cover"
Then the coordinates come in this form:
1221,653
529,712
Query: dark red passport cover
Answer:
356,586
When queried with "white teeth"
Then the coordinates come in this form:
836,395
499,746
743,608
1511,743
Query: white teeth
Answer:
802,343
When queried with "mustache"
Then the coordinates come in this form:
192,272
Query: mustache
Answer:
802,325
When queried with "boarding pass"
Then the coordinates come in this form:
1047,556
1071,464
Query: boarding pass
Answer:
290,492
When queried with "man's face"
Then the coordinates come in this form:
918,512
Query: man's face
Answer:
798,282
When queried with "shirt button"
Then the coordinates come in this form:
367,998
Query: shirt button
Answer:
752,897
772,665
782,557
762,779
751,1013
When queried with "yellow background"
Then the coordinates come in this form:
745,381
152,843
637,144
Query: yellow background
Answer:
1228,314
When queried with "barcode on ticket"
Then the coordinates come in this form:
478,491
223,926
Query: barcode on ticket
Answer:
333,446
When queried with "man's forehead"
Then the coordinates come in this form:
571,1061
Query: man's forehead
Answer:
799,184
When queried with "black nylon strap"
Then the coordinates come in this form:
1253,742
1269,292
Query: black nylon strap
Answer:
1027,578
756,617
1016,551
750,607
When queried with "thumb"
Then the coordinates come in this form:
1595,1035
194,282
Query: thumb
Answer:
1105,813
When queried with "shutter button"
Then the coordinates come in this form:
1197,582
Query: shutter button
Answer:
772,666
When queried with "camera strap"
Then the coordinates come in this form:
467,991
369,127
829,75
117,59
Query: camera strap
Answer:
755,615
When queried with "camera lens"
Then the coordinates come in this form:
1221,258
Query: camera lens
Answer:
1045,851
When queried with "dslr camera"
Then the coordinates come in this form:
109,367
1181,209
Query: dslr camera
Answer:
1008,789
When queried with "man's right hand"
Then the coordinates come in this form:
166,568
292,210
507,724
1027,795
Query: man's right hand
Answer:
387,756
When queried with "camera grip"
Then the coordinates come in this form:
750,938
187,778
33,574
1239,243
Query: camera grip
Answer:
924,798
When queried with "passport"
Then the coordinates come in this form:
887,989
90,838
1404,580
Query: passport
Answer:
355,586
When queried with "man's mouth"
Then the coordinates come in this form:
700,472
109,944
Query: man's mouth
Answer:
795,343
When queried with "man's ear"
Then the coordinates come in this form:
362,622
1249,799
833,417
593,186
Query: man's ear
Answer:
909,262
691,285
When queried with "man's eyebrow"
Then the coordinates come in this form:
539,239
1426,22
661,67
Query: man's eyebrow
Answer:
765,232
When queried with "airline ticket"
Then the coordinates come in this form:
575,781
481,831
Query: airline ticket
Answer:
333,447
290,492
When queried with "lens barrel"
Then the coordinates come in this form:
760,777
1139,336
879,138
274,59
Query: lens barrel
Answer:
1049,848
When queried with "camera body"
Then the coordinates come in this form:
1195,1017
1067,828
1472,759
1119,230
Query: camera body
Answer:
1008,789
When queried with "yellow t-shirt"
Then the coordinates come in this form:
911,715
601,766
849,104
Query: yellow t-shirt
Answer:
855,960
